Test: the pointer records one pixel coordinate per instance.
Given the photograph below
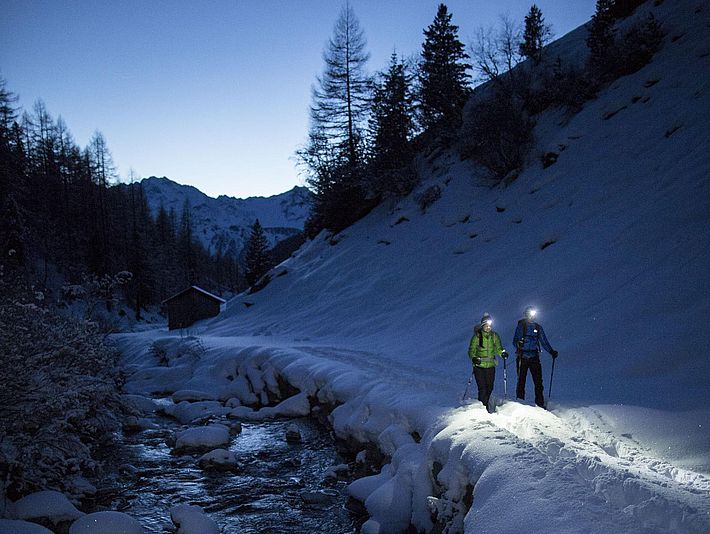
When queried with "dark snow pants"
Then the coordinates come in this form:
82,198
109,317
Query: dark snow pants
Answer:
536,371
485,378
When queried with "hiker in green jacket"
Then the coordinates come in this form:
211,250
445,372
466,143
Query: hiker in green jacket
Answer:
485,345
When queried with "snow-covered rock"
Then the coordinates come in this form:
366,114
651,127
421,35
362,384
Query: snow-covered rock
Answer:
221,459
293,434
140,403
192,520
50,505
16,526
192,395
204,437
296,406
106,523
186,411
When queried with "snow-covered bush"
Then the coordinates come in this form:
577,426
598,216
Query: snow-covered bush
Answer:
428,197
497,133
58,396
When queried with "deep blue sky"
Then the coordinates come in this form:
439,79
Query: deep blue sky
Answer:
210,93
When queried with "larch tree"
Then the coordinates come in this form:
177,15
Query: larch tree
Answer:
333,155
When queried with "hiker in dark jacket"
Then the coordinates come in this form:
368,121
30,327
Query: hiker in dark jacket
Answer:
529,335
485,345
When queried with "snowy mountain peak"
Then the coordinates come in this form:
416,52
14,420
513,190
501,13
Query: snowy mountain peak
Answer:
223,224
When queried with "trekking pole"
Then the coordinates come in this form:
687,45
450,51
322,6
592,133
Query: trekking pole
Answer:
470,378
505,378
552,372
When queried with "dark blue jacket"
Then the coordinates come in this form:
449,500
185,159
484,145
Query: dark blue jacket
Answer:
534,337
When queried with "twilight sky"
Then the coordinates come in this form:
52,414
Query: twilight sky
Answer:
211,93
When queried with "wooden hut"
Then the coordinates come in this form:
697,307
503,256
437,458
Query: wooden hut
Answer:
191,305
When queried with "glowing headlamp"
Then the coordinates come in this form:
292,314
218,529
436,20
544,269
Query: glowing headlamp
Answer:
531,312
488,322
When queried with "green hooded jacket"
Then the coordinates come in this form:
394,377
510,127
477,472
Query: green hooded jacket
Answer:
490,349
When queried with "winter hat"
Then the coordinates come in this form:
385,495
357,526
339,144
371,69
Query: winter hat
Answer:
486,318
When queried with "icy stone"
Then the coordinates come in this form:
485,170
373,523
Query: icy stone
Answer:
140,403
192,520
187,412
337,471
293,434
296,406
10,526
50,505
106,523
221,459
192,395
324,496
233,403
204,437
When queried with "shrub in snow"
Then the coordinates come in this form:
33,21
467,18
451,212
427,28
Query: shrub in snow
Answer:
428,197
58,398
497,133
205,437
639,44
106,523
192,520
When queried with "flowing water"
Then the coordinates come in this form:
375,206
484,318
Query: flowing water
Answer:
278,487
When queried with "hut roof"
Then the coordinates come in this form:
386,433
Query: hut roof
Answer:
199,289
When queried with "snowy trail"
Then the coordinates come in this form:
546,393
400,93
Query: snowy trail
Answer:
586,466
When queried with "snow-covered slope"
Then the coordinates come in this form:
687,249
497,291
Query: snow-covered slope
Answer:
223,223
611,243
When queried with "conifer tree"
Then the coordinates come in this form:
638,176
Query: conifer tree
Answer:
333,154
186,247
257,254
535,35
600,39
443,76
391,126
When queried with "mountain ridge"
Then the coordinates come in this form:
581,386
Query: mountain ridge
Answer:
223,224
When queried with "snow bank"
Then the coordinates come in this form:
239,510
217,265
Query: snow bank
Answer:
11,526
106,523
192,520
50,505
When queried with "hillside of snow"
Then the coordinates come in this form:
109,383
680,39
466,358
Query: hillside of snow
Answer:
611,244
224,223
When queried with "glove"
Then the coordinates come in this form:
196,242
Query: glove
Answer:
554,354
504,355
477,361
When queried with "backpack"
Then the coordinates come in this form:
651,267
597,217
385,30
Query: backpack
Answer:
521,343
